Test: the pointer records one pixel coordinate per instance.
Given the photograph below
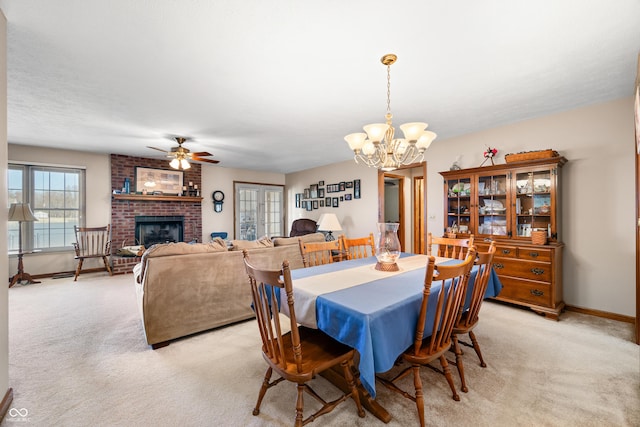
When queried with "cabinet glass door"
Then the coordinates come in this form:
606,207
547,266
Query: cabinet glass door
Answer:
533,202
459,205
492,205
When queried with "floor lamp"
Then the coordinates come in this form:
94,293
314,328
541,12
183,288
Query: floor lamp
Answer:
21,212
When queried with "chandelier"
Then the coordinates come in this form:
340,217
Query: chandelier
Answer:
379,149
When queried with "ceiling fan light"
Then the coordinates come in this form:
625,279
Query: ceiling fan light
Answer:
185,164
175,163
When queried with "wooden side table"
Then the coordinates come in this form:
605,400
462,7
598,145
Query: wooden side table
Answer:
21,276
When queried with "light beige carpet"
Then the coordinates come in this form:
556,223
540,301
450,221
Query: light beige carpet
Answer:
77,357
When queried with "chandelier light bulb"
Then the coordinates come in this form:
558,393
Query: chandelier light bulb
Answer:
185,164
175,163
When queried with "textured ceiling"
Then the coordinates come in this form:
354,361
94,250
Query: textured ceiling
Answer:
275,85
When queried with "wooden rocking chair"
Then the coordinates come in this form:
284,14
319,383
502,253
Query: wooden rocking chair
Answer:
92,242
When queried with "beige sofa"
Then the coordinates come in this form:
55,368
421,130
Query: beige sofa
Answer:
186,288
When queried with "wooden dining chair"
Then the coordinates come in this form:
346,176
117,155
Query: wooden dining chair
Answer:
318,253
469,318
441,319
92,242
448,247
302,353
359,247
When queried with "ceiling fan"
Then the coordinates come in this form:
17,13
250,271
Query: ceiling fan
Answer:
181,156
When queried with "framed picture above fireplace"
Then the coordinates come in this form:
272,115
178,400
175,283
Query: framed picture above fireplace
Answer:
159,180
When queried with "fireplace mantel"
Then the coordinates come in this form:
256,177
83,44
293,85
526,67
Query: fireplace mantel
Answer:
156,198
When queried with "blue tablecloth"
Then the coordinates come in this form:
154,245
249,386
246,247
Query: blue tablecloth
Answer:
377,318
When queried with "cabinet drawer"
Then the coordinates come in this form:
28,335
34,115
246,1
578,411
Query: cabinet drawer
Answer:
526,291
534,254
506,251
539,271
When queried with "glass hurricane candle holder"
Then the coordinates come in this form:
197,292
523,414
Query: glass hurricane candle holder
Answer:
387,246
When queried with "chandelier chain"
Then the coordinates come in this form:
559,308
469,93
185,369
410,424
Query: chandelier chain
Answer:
388,89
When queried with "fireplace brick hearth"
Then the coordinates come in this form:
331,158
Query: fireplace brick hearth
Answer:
123,212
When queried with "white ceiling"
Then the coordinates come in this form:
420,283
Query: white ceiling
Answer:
275,85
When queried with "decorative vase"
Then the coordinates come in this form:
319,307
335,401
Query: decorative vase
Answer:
387,246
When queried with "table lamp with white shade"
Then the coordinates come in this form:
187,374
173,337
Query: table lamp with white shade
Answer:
21,212
329,222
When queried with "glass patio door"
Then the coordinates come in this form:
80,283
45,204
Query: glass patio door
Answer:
259,211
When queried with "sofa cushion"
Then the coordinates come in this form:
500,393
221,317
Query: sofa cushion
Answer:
263,242
167,249
284,241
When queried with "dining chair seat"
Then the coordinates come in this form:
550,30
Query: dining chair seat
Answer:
451,283
296,353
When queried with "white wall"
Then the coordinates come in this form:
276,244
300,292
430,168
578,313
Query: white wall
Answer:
98,201
598,221
4,267
221,178
358,217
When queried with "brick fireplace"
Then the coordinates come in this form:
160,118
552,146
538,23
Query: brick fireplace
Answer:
124,212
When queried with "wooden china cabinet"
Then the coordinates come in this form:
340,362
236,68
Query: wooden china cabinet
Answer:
506,203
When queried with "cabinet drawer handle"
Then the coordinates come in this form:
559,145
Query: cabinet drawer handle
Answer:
506,251
498,265
536,292
537,271
533,254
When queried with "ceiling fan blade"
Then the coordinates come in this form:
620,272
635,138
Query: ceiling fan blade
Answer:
199,159
159,149
201,154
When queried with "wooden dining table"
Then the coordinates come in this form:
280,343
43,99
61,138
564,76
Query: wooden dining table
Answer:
373,311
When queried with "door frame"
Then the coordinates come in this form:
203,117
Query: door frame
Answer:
401,205
422,165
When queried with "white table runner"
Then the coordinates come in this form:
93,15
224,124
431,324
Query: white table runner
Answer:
306,290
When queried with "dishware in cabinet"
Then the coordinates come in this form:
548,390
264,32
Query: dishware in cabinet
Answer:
535,195
492,201
458,215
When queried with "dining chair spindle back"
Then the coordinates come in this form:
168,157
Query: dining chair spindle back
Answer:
302,353
449,247
359,247
319,253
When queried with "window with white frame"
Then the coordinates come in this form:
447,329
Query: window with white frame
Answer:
56,197
259,210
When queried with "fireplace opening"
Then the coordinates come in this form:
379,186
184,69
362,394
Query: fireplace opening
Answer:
159,229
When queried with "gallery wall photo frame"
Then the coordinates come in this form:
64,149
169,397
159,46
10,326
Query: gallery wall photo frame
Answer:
356,188
298,199
336,202
161,180
320,193
313,191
